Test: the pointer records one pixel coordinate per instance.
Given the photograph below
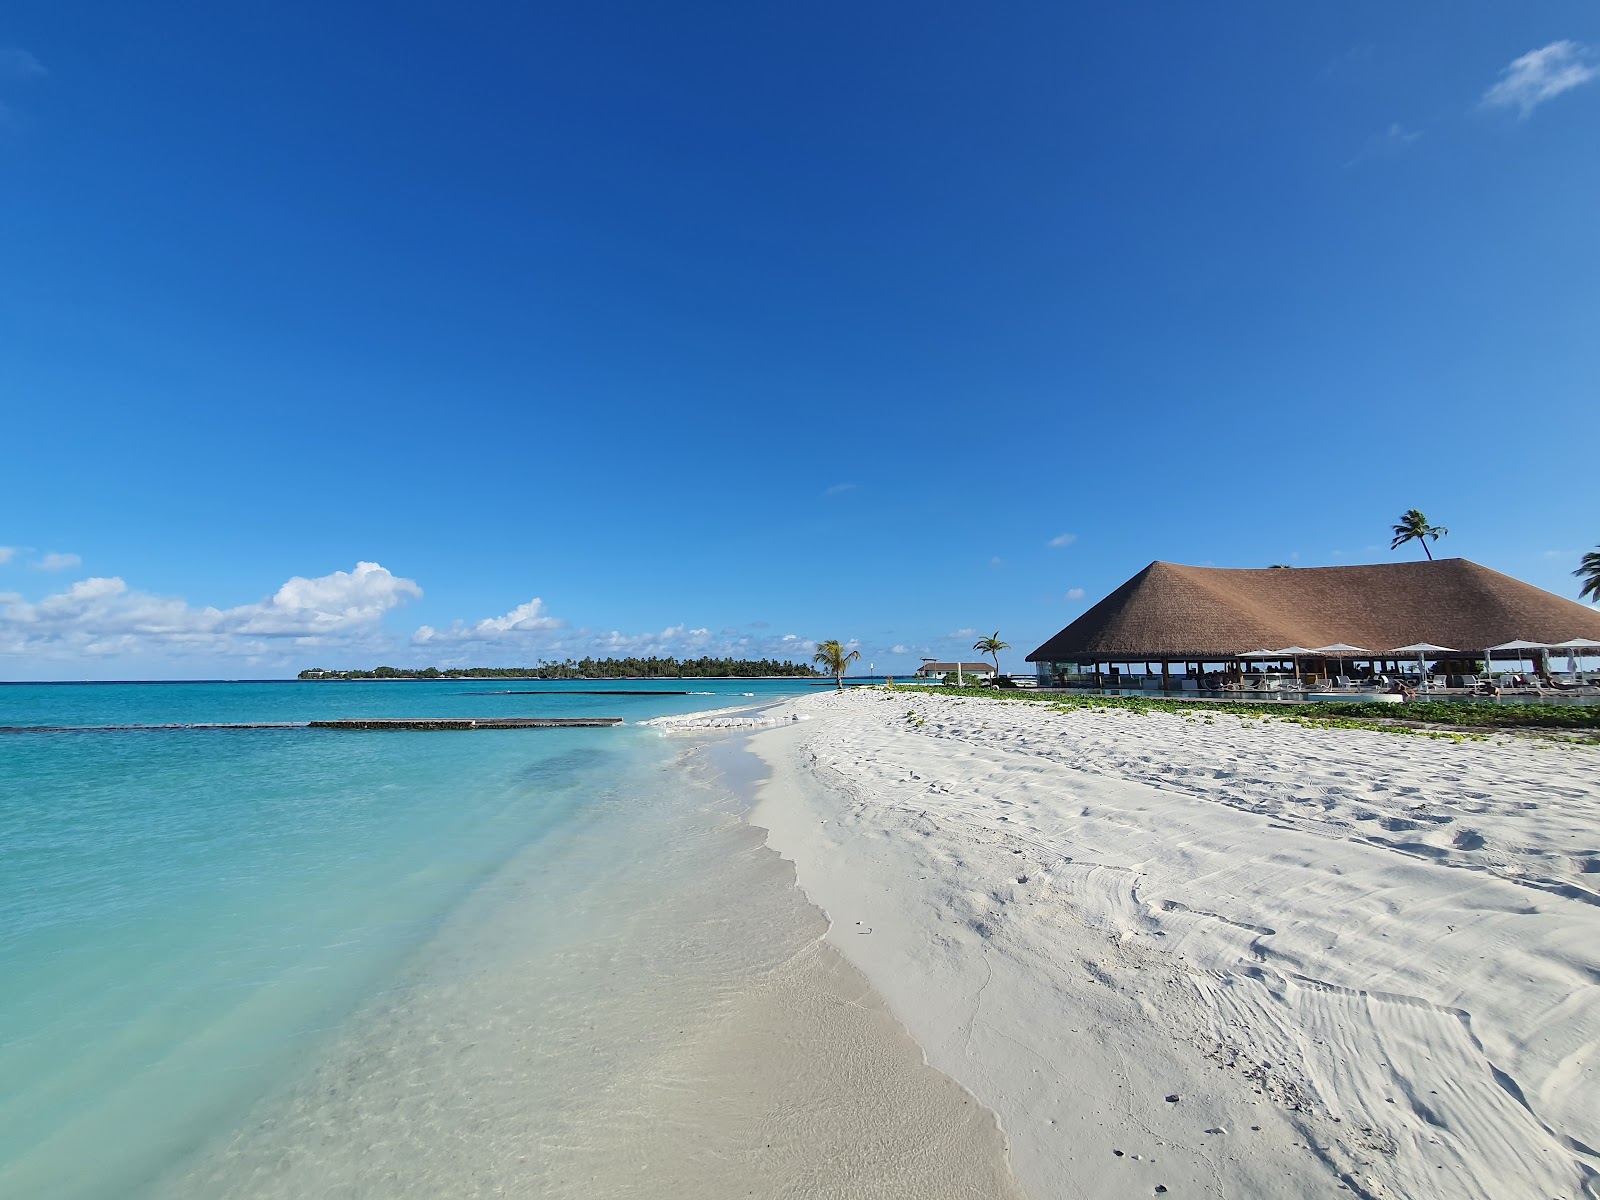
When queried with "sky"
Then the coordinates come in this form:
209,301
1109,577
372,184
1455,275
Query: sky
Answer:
480,334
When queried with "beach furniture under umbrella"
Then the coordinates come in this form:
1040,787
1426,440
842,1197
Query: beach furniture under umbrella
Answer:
1420,649
1340,651
1294,654
1266,654
1576,648
1519,646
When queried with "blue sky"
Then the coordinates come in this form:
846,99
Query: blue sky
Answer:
692,328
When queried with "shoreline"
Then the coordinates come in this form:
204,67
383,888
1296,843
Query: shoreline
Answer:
649,993
1326,943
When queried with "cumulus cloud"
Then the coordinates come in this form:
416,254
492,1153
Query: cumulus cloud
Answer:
104,616
1542,75
7,553
327,604
675,640
56,561
1063,539
524,619
1075,593
899,649
549,639
964,633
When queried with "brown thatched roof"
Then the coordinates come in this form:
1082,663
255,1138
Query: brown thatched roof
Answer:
1177,612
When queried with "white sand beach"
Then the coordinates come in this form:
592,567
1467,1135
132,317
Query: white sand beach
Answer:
1199,955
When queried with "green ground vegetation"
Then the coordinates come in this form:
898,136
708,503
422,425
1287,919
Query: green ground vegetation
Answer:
1423,715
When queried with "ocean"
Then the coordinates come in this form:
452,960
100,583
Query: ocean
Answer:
275,963
190,919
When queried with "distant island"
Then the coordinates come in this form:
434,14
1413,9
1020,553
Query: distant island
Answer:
590,668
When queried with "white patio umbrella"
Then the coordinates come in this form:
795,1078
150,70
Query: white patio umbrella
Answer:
1260,654
1579,644
1340,651
1420,649
1576,648
1295,654
1519,646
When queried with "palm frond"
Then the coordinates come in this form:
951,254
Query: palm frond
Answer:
1589,572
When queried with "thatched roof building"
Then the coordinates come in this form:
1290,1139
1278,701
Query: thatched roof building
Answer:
1177,613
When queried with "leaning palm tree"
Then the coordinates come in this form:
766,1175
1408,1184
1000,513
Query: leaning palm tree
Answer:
1589,572
1414,527
836,659
992,647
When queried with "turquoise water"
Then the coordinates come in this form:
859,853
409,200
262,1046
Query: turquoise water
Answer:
187,914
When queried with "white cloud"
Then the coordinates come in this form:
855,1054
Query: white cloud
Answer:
524,619
1391,143
7,553
1541,75
899,649
16,63
1063,539
330,620
103,616
997,561
549,639
1398,137
55,561
839,489
1075,593
342,600
964,633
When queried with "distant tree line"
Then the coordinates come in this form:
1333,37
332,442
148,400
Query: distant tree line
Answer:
587,668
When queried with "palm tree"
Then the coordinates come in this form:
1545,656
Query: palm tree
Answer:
833,656
1414,527
1589,572
992,647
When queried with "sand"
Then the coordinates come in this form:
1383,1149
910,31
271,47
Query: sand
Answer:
647,1009
1215,956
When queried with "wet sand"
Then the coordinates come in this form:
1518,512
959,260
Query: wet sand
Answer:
649,1009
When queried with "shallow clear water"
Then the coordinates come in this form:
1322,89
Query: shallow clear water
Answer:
187,916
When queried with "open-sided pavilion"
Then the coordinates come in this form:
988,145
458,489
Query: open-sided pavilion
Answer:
1178,622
